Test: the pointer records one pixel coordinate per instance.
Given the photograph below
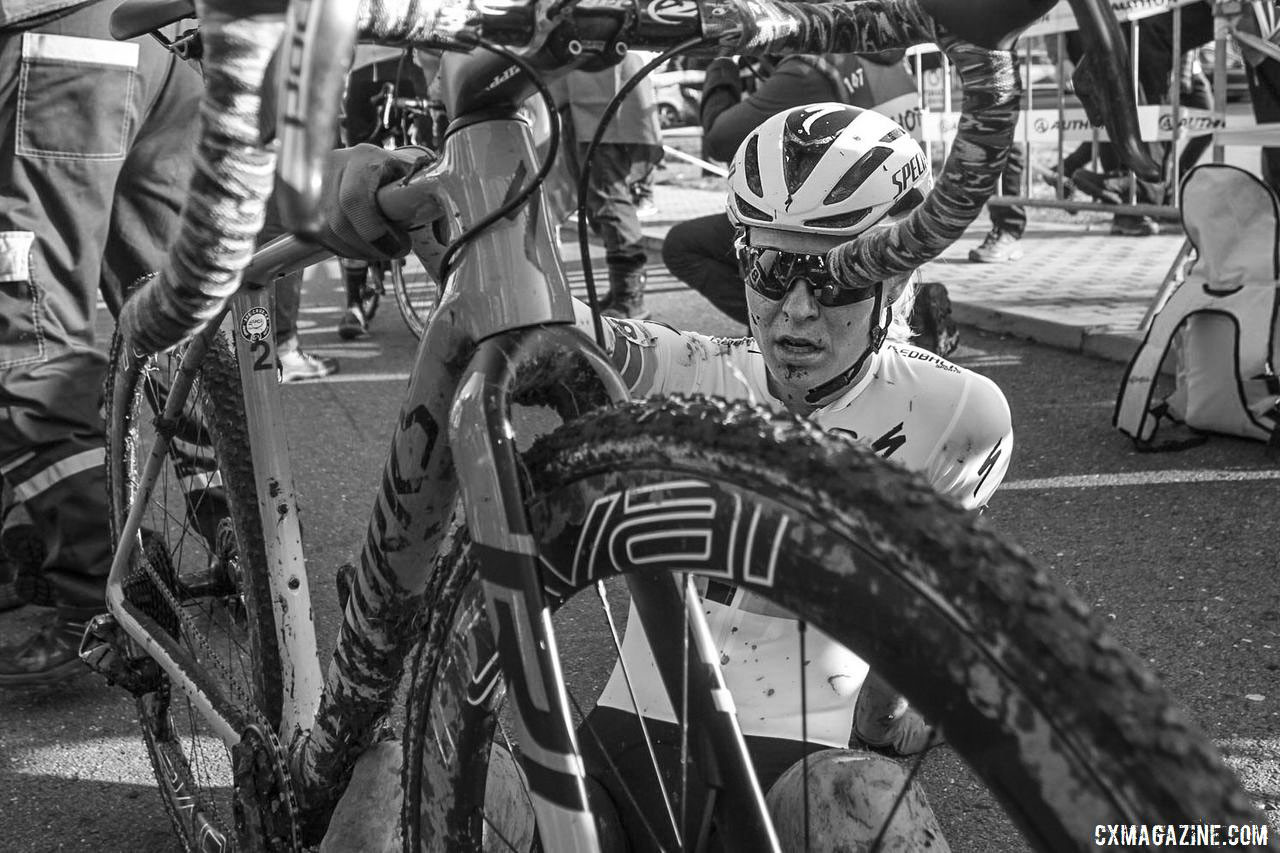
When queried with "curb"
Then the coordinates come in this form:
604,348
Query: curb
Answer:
1093,341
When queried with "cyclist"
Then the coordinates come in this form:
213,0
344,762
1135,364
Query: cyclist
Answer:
832,352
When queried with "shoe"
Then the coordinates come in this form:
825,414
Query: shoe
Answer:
20,543
9,597
932,327
625,299
296,365
624,308
50,656
997,248
26,589
1134,226
352,325
1062,186
21,555
1108,188
646,208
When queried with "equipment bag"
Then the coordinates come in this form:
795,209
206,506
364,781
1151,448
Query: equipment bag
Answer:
1227,309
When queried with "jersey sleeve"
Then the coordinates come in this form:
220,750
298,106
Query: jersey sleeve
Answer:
654,358
974,453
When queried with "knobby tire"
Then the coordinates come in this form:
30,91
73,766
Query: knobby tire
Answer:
1064,725
237,610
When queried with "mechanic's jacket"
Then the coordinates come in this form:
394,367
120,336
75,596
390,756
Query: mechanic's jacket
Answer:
912,407
29,12
586,94
801,79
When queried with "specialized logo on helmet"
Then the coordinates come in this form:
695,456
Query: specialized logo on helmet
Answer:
906,176
672,11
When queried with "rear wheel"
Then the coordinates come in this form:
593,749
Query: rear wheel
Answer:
1064,727
199,572
416,292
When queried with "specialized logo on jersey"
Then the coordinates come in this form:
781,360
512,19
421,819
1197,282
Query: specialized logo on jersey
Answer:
687,524
886,445
988,465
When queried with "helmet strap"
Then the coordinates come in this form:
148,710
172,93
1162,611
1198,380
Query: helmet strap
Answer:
879,329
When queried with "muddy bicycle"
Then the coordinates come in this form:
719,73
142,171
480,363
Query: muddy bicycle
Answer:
474,542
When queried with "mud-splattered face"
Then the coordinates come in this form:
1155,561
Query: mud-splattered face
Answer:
805,344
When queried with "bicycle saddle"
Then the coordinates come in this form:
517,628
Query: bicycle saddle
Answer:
134,18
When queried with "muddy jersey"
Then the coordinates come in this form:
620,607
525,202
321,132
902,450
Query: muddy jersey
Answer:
913,408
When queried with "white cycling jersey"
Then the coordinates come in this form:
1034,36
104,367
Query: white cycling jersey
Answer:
911,407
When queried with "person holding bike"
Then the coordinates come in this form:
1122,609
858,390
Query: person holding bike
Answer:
832,351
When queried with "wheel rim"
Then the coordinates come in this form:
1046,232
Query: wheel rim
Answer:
188,576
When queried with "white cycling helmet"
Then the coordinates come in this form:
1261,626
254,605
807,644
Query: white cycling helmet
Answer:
814,176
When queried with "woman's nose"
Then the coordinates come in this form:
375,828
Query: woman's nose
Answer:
799,301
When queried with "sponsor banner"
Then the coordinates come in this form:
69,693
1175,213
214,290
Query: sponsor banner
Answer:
1155,124
1060,19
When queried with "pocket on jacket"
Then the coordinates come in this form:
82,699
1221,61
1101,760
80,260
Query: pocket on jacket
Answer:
21,338
73,97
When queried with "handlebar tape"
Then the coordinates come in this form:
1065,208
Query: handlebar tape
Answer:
226,204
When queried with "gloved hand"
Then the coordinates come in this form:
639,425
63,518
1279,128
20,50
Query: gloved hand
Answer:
354,226
721,89
883,719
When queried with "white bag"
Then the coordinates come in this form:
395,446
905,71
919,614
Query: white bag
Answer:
1226,309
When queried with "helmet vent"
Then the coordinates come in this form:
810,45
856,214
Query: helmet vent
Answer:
910,199
843,220
749,210
751,165
858,173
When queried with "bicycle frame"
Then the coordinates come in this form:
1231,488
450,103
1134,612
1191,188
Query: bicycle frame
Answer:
453,436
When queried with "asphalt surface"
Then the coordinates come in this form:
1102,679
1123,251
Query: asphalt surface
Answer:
1177,550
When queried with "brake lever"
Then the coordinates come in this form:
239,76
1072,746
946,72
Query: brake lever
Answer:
317,51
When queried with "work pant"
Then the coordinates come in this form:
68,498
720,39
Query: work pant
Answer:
1011,219
611,209
93,167
700,253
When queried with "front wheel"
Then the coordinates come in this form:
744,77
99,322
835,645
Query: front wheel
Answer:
1063,726
416,292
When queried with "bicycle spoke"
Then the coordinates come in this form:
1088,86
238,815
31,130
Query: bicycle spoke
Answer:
644,727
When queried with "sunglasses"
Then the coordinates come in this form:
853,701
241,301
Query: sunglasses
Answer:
772,273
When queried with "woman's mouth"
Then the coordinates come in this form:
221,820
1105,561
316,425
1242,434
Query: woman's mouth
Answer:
798,348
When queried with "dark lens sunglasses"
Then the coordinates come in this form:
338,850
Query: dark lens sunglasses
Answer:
772,273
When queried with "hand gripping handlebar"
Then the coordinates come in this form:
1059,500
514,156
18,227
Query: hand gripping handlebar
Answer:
234,174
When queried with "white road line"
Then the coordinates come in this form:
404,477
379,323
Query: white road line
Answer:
1137,478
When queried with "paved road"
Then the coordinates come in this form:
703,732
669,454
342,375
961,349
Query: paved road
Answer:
1178,551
